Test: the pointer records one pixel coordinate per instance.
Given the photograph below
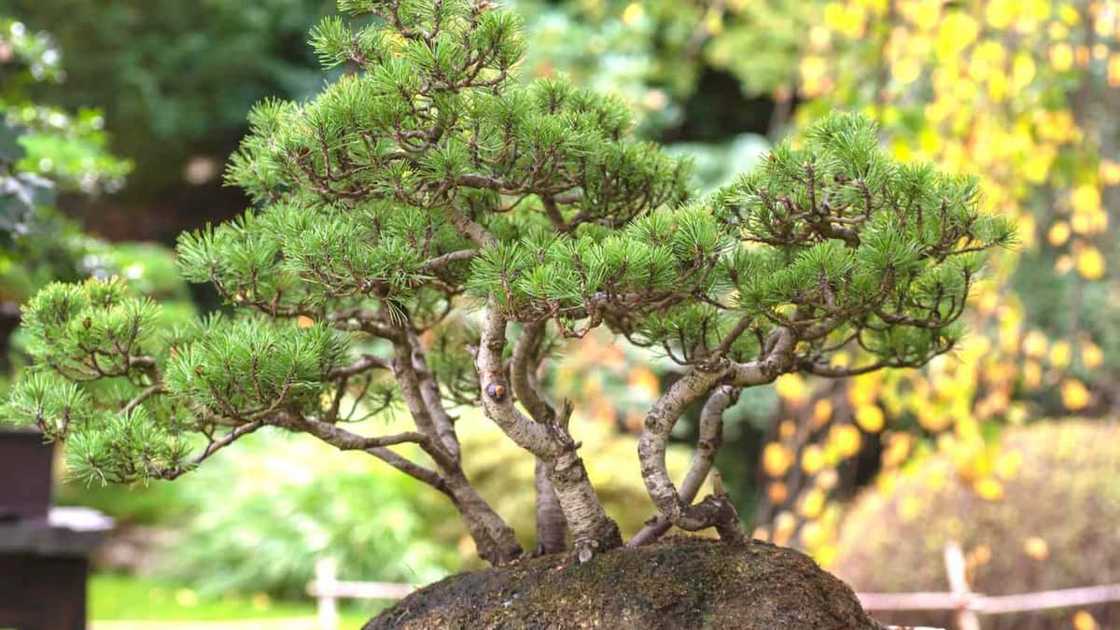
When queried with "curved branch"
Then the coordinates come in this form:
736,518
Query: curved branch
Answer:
213,447
523,363
439,262
496,401
829,371
708,441
345,440
364,363
377,446
592,529
778,360
659,424
551,524
147,393
431,397
363,319
696,382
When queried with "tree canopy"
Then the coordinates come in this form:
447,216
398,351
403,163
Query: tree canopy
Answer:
427,227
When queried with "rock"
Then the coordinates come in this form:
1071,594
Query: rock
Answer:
677,583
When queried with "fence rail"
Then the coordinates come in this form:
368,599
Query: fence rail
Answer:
328,589
992,604
968,605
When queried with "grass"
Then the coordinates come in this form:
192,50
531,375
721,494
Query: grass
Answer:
121,597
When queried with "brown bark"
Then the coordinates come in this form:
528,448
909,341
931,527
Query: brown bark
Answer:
551,525
429,392
409,382
493,537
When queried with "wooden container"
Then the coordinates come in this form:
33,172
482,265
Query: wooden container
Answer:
25,475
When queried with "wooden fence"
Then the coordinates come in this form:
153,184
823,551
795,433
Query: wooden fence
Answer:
967,605
328,589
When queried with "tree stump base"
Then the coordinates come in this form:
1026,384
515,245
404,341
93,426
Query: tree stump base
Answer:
676,583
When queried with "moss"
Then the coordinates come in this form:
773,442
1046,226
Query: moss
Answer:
679,583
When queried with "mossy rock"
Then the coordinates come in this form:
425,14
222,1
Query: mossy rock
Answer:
678,583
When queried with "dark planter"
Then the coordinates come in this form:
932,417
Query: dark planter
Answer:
25,475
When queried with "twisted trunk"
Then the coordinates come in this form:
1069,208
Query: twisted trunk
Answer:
527,356
715,510
592,530
708,442
551,524
493,537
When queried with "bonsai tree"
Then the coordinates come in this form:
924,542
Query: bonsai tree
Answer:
428,229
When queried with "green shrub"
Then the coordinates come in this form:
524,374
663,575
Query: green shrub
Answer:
176,77
262,518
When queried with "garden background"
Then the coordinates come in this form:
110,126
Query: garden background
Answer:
119,117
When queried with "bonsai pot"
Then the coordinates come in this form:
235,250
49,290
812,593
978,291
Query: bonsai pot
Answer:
25,466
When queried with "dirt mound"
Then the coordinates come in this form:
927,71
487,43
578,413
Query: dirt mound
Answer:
678,583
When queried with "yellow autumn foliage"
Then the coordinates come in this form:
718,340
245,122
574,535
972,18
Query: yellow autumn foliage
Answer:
1062,504
776,459
1090,263
1075,396
870,418
971,87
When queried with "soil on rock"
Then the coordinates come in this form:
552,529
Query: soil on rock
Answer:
678,583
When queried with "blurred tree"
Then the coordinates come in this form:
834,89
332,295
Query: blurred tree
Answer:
173,76
175,80
45,151
161,69
1019,93
428,187
695,71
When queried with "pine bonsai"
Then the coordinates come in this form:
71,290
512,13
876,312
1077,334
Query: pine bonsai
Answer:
427,230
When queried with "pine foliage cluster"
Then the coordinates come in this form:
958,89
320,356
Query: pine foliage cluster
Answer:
430,180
